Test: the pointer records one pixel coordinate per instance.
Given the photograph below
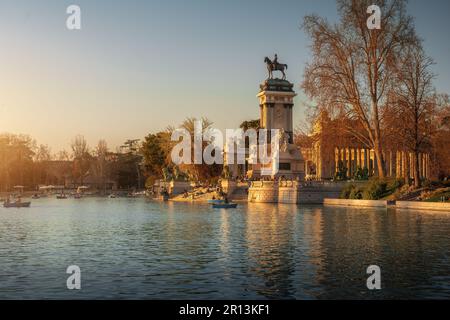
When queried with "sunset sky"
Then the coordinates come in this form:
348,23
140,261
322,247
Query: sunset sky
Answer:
138,66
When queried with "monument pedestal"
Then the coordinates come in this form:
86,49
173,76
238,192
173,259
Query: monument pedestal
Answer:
276,102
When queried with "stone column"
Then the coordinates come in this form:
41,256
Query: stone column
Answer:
349,162
361,158
404,165
366,162
367,154
420,161
407,164
391,165
261,115
374,164
291,121
336,159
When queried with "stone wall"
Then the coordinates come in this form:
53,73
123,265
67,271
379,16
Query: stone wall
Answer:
415,205
293,192
356,203
263,192
179,187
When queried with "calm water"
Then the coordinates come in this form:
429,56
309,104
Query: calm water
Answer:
132,248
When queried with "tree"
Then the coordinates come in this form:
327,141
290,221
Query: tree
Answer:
202,171
251,124
41,159
156,153
101,151
129,164
441,138
414,99
81,157
352,66
16,160
62,155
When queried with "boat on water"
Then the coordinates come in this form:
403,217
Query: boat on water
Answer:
224,205
61,196
7,204
216,201
35,196
112,196
77,196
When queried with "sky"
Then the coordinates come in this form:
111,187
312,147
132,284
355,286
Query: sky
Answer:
136,67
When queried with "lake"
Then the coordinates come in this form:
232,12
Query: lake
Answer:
139,249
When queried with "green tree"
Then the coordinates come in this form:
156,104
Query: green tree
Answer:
155,151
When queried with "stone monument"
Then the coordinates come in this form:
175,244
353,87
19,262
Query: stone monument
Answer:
276,103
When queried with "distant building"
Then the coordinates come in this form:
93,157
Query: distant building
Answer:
330,149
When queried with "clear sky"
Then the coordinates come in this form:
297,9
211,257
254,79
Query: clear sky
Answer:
138,66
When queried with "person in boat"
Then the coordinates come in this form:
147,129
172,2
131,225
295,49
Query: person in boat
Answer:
8,200
19,200
226,200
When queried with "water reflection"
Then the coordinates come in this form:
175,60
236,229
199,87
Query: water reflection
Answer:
140,249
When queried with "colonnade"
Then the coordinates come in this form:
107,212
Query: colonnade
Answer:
398,164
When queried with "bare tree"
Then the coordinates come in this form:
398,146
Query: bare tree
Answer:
62,155
81,157
351,69
415,99
43,153
101,152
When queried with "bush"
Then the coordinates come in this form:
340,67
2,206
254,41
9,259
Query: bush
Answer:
351,191
341,173
346,191
356,193
395,184
361,174
375,189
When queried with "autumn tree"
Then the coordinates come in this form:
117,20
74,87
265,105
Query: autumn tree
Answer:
352,66
16,160
415,103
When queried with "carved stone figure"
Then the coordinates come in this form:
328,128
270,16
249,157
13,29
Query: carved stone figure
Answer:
275,66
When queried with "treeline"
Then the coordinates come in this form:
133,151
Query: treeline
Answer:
25,163
134,165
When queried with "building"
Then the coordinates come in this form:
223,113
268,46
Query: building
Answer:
332,149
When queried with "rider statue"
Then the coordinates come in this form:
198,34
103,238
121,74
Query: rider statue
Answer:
275,66
275,61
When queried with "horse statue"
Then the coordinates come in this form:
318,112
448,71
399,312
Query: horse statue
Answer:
275,67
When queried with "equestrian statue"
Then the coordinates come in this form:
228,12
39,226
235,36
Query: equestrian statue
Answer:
275,66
